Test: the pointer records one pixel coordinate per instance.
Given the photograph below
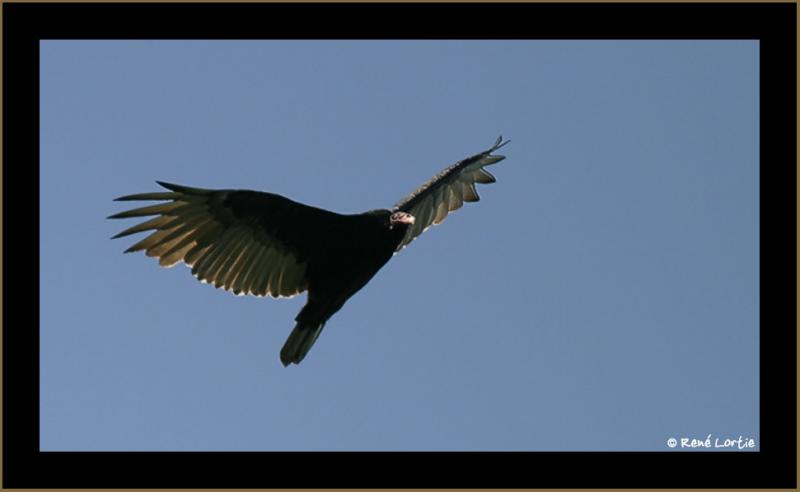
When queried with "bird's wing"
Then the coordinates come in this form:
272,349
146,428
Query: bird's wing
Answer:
247,242
447,191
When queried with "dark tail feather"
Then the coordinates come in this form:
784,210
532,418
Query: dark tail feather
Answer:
300,341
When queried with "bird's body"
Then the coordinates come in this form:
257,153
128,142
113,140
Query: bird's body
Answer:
342,268
258,243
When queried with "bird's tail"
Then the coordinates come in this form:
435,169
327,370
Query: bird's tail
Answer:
300,341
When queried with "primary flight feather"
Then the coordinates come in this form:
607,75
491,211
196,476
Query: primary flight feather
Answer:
256,243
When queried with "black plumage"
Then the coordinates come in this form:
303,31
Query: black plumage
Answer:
257,243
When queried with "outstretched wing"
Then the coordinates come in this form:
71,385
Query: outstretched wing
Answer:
246,242
447,191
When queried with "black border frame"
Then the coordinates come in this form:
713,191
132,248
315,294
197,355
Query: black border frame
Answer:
24,24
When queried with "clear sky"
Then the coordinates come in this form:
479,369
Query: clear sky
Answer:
603,294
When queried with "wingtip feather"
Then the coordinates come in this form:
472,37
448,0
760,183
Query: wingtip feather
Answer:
184,189
499,143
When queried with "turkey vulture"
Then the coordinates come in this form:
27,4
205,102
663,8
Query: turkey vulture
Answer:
256,243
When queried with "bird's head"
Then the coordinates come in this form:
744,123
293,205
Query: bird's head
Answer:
403,219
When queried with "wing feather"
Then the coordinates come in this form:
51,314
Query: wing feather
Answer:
159,222
246,242
295,276
447,191
166,244
204,236
276,286
470,193
274,278
190,239
234,268
195,254
261,279
483,176
249,281
230,257
174,255
206,268
234,282
441,212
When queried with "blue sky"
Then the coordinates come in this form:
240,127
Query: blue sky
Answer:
603,294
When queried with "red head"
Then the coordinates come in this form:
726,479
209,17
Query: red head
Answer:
400,218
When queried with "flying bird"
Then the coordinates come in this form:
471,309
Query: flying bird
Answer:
257,243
